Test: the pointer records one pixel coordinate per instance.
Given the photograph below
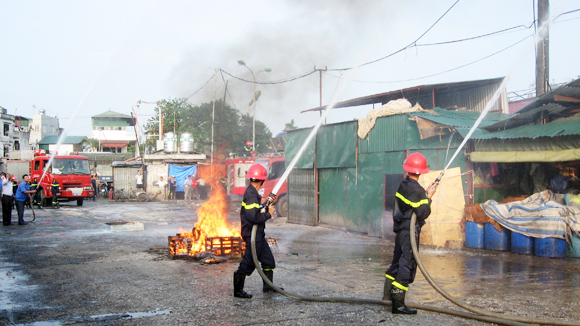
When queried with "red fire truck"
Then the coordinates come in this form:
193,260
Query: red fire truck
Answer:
275,164
236,169
72,173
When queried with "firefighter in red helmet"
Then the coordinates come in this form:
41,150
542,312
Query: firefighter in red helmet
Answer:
250,214
411,198
247,151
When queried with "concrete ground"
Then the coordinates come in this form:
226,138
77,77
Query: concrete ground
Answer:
68,267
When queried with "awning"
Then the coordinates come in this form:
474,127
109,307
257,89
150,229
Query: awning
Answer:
115,144
526,156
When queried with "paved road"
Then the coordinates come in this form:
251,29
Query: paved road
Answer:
67,267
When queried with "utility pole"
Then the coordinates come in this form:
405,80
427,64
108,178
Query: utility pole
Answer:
542,48
320,87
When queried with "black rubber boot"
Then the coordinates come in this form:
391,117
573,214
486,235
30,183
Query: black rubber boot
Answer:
387,290
239,280
266,287
398,297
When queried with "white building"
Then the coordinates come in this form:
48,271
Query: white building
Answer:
42,125
15,133
114,131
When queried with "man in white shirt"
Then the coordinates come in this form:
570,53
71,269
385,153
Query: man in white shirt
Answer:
162,187
139,180
187,185
7,194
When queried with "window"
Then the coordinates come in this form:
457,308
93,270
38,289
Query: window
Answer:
6,129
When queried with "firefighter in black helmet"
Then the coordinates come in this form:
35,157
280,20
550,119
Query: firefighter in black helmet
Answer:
250,214
55,189
411,198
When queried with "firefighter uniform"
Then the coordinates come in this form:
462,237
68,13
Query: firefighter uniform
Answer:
55,189
250,215
36,198
410,197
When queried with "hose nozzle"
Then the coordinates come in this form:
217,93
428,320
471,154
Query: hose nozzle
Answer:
268,202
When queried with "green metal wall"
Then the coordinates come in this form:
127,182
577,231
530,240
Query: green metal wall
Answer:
351,188
332,208
336,145
294,140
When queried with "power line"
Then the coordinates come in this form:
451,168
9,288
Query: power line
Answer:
406,47
439,73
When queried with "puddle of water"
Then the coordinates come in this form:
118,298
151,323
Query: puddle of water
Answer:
129,315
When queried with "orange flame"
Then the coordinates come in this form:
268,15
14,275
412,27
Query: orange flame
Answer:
212,215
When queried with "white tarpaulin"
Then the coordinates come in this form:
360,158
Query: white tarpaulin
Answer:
538,216
402,105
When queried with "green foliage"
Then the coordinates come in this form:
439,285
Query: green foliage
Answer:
231,129
290,126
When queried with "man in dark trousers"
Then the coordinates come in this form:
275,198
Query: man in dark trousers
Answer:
21,196
55,189
36,198
7,199
410,198
250,214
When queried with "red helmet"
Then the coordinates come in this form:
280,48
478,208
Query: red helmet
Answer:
35,176
416,163
258,172
248,143
13,178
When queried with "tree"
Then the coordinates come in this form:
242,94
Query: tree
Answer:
290,126
231,129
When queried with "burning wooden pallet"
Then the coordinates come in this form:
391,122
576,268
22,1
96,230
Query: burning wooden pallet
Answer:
180,247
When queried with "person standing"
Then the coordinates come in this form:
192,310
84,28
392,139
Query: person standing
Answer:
36,198
7,195
162,184
21,196
250,214
195,187
172,187
139,180
55,189
411,198
188,188
95,188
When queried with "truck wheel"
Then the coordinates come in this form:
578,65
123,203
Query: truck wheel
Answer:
42,195
80,202
282,207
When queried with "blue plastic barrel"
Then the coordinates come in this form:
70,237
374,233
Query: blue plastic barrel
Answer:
550,247
496,240
574,247
474,235
522,244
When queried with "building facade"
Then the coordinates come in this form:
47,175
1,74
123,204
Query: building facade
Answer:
113,131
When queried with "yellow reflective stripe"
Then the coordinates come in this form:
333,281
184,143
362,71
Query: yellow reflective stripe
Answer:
246,206
389,277
398,285
268,269
410,203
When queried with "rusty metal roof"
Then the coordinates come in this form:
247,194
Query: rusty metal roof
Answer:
417,94
562,102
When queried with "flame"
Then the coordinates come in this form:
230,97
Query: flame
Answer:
212,216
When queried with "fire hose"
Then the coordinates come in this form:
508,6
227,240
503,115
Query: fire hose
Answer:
477,314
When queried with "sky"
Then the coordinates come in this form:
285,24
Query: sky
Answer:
77,59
